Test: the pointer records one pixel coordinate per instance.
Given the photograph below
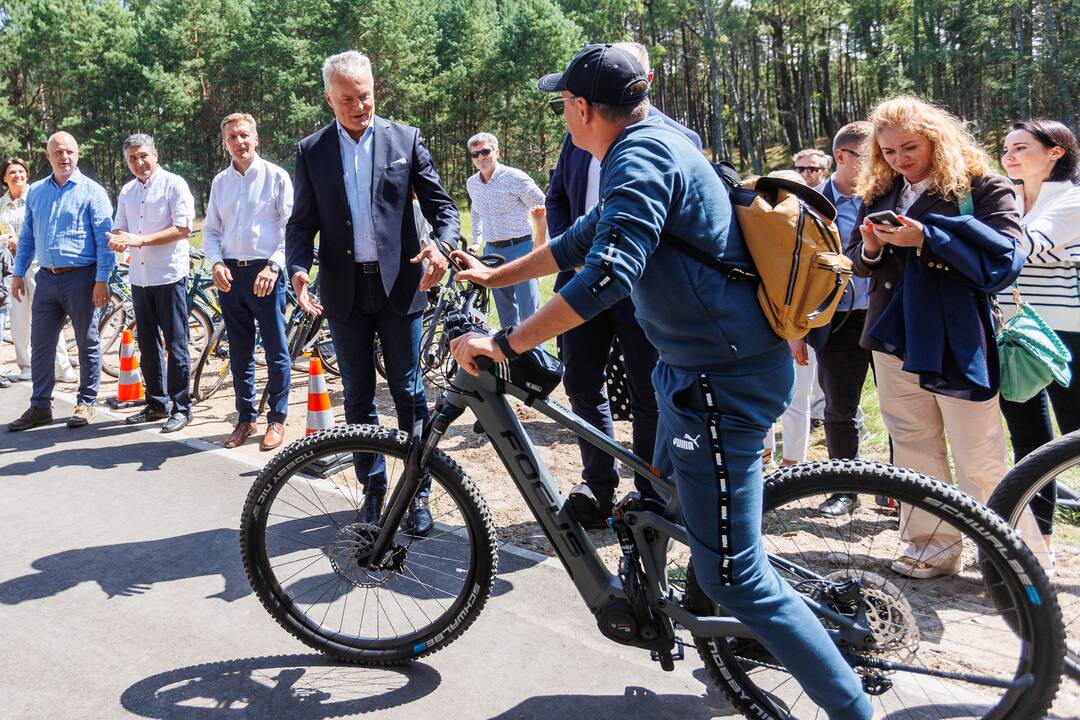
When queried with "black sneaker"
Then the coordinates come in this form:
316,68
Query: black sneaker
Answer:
176,421
32,418
587,509
147,414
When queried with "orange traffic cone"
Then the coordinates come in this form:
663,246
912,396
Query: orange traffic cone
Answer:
130,390
319,414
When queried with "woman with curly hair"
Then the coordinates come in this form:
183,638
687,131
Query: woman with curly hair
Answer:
924,165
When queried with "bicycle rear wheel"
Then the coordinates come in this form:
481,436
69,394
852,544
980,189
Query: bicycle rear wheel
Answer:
212,371
303,547
1058,464
985,643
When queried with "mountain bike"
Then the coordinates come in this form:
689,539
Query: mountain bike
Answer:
985,643
1055,465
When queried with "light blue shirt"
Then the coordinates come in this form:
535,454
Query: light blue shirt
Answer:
847,214
65,226
357,164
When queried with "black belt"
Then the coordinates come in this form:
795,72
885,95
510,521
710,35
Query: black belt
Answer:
62,270
367,268
508,243
261,262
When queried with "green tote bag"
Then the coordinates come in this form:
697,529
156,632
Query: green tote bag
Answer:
1032,355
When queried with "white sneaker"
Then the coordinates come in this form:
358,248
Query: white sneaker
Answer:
67,377
24,375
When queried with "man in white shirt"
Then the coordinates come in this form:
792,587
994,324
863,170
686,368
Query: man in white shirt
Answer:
244,240
154,213
501,197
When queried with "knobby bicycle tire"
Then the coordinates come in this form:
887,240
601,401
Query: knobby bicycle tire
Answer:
1013,496
320,535
741,668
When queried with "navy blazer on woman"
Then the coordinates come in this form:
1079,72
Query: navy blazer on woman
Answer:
401,164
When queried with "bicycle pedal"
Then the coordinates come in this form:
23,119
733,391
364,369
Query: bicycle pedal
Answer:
667,658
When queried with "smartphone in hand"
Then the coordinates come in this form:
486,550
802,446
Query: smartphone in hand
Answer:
885,217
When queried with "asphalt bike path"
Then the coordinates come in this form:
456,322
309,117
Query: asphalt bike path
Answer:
122,594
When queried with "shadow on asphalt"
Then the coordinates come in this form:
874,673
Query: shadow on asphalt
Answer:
635,702
148,456
298,687
132,568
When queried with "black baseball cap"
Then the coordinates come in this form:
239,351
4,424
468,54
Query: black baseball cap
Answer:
600,73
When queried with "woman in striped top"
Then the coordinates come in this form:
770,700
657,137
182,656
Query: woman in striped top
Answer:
1041,156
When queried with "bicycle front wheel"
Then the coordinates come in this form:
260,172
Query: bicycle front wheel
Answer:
982,643
304,542
1048,481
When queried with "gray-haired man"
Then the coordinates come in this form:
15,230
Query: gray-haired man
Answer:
154,213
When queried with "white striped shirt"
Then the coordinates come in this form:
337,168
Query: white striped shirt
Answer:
1050,280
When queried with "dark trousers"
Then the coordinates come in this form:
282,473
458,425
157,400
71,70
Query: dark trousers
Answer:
585,351
68,295
161,314
354,343
842,368
242,309
1030,425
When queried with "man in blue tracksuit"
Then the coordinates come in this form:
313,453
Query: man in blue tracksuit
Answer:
723,376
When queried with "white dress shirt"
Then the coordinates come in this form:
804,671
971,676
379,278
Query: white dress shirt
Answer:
163,201
356,164
246,214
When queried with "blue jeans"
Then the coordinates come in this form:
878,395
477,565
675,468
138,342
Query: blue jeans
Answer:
161,312
354,343
711,433
517,302
241,309
58,297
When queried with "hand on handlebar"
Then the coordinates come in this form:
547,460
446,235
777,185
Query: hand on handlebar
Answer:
472,268
471,346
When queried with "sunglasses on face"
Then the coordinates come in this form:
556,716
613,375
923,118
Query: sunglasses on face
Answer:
558,104
477,153
805,169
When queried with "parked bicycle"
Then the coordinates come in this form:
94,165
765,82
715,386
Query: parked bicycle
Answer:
1048,481
986,643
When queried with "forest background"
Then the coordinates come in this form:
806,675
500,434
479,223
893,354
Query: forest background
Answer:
758,79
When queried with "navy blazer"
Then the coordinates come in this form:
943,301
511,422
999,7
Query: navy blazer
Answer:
565,200
401,164
941,321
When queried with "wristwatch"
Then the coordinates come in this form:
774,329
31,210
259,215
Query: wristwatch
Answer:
274,267
502,340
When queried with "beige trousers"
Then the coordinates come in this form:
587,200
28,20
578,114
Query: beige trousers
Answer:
919,423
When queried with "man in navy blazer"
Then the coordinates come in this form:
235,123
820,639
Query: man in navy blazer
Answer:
353,185
586,348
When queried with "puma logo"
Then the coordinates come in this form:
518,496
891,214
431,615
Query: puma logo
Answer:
686,442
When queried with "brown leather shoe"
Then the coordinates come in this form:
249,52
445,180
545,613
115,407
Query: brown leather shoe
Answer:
240,433
275,435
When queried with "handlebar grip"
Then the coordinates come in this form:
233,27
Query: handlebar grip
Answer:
484,363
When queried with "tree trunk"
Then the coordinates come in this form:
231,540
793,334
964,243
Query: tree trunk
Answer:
1068,110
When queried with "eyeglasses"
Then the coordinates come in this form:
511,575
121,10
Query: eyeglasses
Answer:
558,104
477,153
807,169
849,152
